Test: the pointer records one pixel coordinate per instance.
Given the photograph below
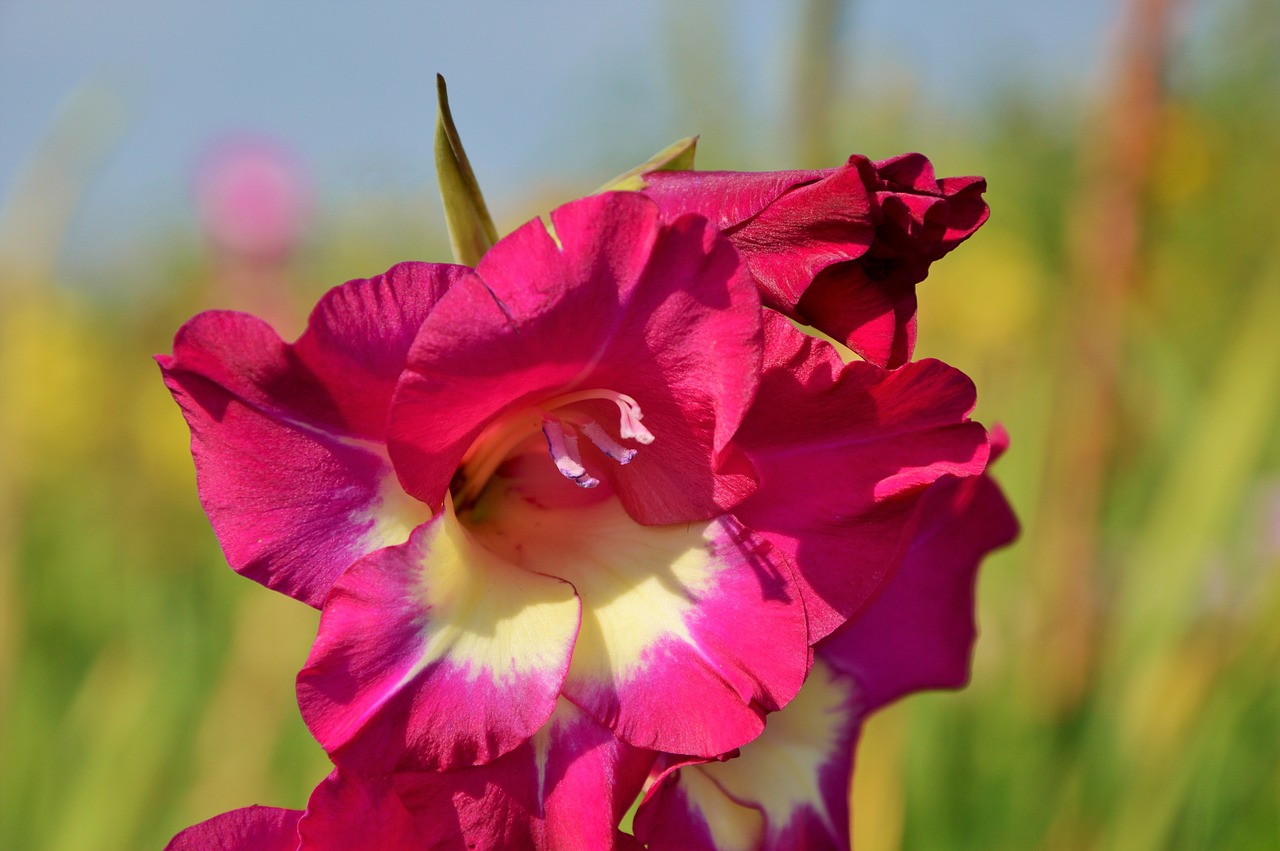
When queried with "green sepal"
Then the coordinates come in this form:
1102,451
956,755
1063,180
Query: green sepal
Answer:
678,156
471,230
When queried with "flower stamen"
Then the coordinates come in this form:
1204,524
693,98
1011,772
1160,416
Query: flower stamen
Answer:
564,452
607,444
503,435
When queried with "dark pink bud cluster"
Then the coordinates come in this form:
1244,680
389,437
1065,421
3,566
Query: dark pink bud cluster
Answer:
840,249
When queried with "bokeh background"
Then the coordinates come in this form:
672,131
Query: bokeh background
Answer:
1120,314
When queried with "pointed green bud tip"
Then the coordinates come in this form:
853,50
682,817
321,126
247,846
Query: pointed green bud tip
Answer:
471,230
678,156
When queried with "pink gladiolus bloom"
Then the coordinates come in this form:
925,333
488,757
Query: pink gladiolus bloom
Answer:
790,787
839,249
592,473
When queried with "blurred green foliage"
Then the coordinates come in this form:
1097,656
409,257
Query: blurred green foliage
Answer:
1126,693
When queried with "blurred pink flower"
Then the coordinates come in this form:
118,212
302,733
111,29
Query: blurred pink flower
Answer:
253,198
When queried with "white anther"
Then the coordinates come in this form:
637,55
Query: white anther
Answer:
564,452
607,444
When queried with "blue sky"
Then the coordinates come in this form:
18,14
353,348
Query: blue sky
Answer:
540,87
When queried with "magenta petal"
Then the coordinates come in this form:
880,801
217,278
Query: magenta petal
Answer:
358,338
292,506
789,225
924,217
911,171
348,812
726,198
247,829
967,211
566,788
919,632
435,654
339,375
589,781
787,789
844,454
805,231
689,634
288,439
876,320
961,210
616,302
689,812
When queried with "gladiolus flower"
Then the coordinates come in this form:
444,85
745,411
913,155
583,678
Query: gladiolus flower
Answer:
790,787
581,474
840,249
